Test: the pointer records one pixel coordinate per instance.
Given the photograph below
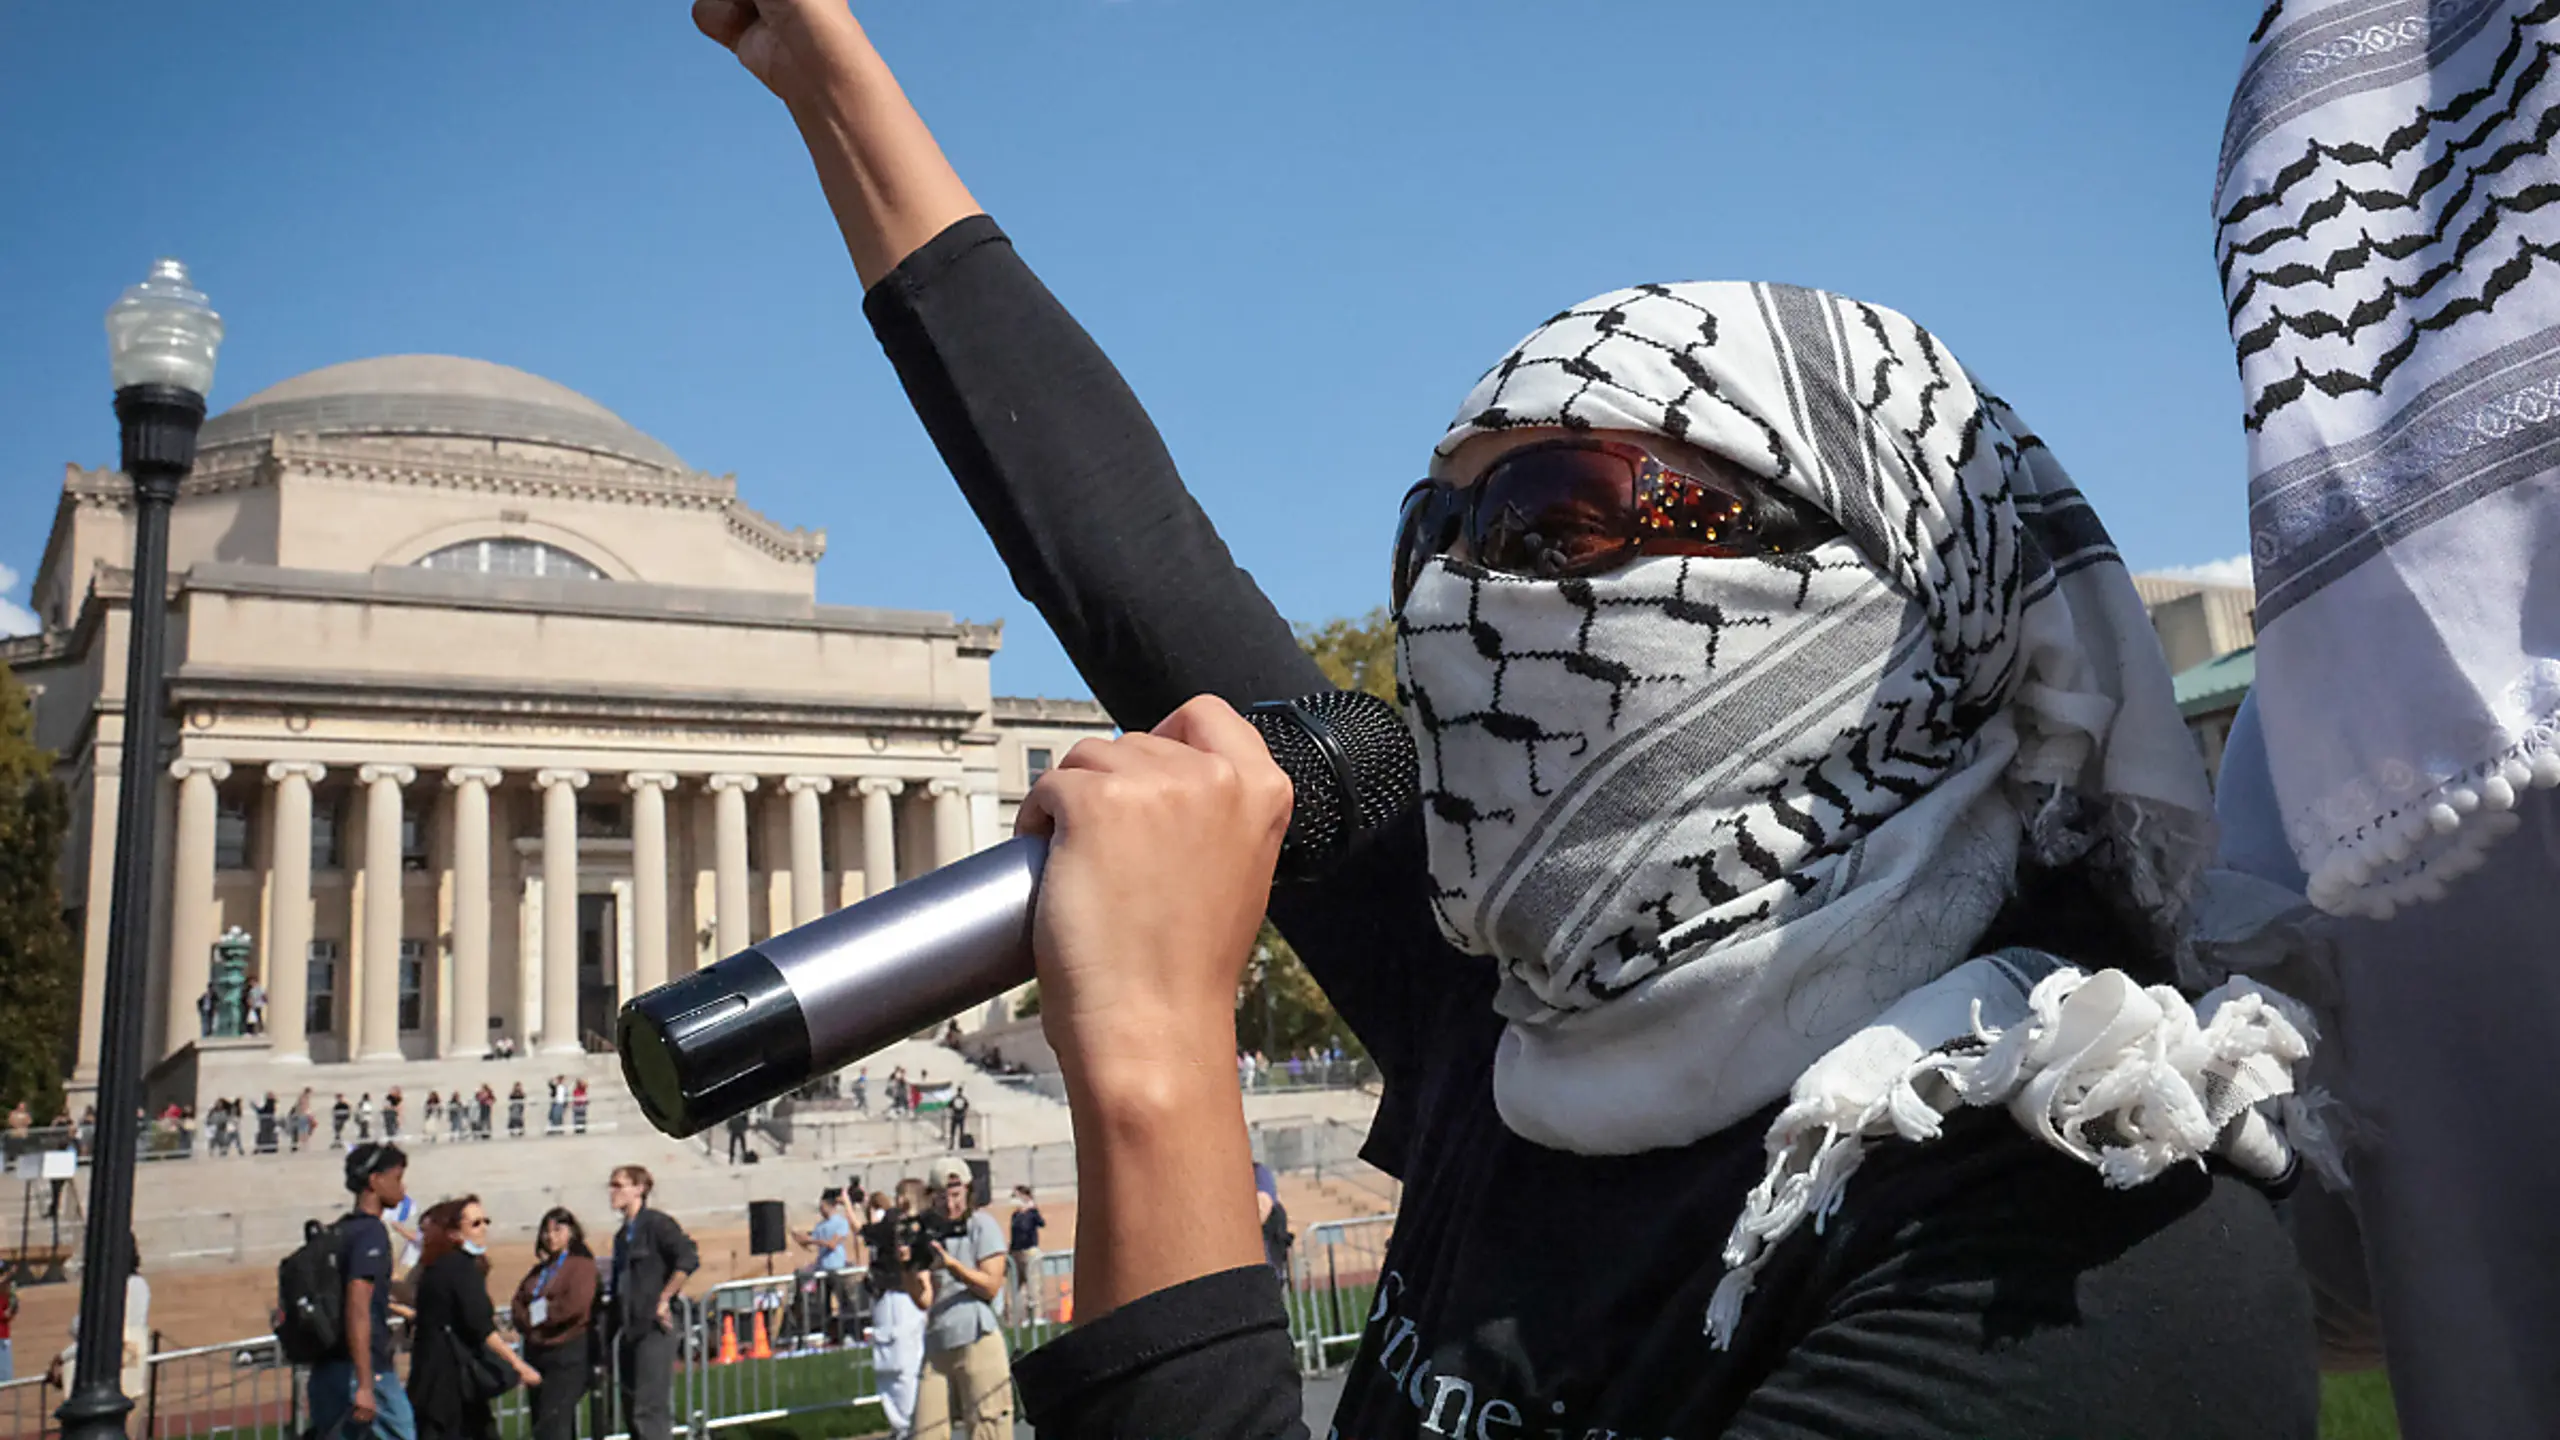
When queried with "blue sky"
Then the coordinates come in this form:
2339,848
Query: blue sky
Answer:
1302,230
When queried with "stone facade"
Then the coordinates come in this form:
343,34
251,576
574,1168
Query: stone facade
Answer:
488,714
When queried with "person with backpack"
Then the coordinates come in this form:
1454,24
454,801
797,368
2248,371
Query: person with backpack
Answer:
355,1390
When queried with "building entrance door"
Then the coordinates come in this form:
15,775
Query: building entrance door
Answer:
599,996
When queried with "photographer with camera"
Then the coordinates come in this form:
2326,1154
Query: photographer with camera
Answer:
900,1290
968,1381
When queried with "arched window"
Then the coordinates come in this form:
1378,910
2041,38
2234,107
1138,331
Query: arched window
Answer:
499,556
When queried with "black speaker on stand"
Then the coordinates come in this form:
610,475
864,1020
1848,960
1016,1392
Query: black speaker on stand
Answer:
766,1234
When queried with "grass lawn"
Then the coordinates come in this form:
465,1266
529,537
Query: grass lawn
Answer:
2357,1407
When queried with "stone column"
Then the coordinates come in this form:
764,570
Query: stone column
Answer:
729,917
378,1034
289,909
879,833
648,877
950,820
105,787
191,916
560,910
808,855
471,786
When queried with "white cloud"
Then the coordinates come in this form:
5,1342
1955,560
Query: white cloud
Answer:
15,619
2234,571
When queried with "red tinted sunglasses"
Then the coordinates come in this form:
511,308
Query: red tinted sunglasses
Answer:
1578,507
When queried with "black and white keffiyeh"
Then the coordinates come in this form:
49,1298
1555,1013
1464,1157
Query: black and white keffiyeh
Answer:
1719,819
2389,241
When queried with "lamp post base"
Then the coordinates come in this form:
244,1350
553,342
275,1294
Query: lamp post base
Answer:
92,1414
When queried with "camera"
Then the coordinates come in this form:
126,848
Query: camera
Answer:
906,1241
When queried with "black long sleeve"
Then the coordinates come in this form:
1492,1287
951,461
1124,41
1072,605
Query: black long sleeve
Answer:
1074,485
1208,1359
1072,482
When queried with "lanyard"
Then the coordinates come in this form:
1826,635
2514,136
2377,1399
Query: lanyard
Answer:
543,1280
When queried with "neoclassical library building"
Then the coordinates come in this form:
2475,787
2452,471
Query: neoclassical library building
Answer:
491,713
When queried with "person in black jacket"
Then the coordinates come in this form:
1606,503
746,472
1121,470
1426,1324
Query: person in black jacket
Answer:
1802,796
652,1257
457,1328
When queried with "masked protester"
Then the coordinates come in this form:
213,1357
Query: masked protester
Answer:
1805,842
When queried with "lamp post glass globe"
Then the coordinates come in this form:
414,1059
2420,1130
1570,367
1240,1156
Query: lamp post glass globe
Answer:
161,332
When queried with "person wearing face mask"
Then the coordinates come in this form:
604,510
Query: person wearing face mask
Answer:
1805,843
457,1346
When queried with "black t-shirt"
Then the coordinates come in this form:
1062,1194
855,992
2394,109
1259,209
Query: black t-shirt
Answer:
364,1253
1981,1285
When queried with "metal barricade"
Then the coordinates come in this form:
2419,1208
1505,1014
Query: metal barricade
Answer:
243,1388
795,1352
27,1406
1334,1273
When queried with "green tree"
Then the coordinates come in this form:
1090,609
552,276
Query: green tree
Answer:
1279,1007
1355,654
39,965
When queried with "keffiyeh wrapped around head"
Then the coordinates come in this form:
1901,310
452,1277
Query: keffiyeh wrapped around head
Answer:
1711,816
1731,828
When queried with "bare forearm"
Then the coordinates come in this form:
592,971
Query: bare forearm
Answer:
884,176
1173,1129
984,1282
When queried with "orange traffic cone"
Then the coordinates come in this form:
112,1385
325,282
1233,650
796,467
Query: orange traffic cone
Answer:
762,1349
1067,1303
728,1340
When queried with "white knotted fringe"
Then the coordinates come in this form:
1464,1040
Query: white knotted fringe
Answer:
2409,855
2127,1079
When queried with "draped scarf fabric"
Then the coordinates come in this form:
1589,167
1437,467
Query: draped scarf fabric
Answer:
2385,227
1711,817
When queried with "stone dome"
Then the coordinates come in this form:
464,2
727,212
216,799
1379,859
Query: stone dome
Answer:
434,395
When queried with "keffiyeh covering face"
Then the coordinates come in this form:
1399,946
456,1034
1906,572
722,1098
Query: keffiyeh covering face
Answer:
1712,816
1731,828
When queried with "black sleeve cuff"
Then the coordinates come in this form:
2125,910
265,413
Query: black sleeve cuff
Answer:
930,262
1148,1357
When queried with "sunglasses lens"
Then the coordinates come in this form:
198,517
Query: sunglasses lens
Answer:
1558,510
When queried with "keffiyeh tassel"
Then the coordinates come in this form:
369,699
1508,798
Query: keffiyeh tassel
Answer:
2129,1080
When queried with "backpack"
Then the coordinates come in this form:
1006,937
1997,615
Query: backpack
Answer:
311,1296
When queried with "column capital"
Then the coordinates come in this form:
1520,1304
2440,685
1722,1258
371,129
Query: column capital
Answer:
813,784
744,784
379,771
639,780
878,785
485,776
946,786
190,767
310,772
574,779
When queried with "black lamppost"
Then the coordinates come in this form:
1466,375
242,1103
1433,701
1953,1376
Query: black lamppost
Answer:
161,339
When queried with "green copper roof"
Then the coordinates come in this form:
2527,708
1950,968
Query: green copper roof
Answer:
2217,684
